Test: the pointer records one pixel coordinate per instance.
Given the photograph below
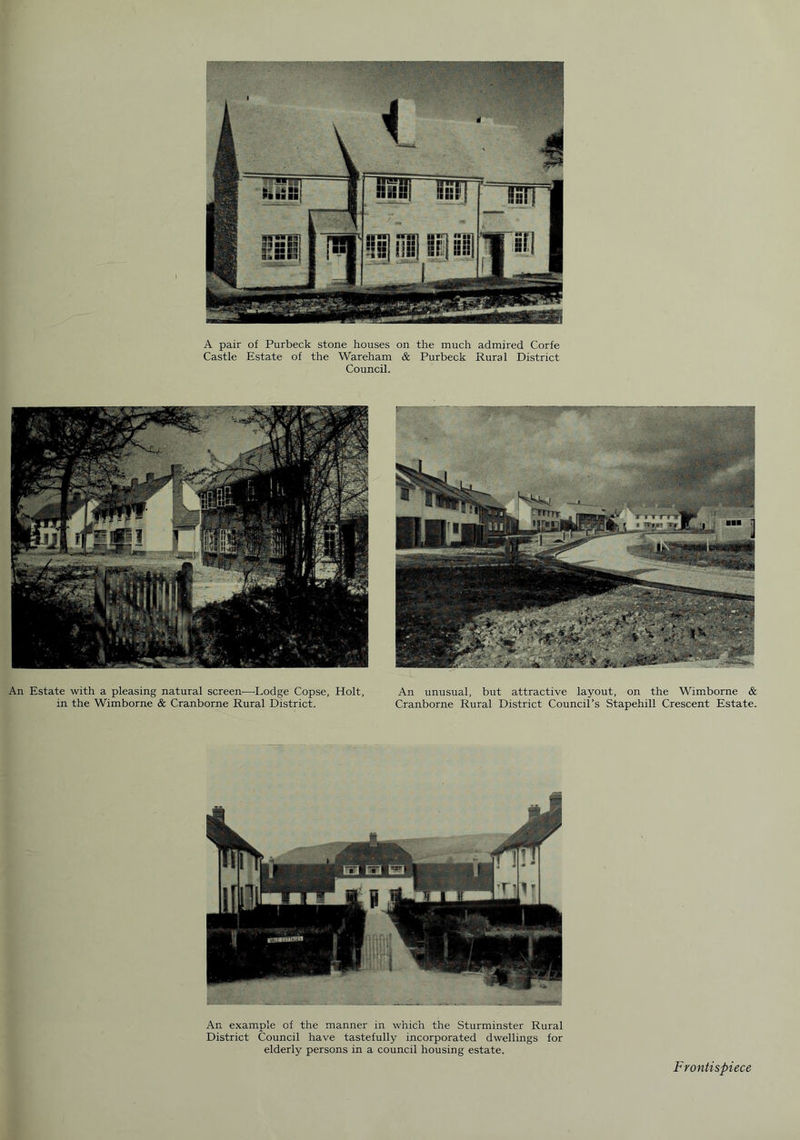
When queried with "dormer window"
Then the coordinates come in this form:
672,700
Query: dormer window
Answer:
350,869
397,869
373,869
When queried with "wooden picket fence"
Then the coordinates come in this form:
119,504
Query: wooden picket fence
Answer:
142,613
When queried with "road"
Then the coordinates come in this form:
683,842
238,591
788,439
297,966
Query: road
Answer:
610,553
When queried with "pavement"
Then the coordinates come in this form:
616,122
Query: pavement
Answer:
610,554
378,922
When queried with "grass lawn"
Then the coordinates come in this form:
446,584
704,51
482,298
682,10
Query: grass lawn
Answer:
735,556
484,613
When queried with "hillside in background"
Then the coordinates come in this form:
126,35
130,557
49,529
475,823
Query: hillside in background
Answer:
427,849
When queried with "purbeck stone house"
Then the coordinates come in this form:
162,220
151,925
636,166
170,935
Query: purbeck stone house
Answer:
319,198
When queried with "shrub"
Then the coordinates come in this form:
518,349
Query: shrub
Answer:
49,631
291,624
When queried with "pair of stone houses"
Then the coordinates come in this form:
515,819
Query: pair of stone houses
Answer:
430,511
525,868
307,197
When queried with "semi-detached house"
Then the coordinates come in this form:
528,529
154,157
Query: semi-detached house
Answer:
307,197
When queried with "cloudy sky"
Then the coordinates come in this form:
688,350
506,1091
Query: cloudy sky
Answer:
605,456
279,798
523,94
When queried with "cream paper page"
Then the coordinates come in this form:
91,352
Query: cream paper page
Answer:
679,854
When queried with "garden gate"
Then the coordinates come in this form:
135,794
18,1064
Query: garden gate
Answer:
142,613
376,952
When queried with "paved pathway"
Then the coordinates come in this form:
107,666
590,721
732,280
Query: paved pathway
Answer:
378,922
610,553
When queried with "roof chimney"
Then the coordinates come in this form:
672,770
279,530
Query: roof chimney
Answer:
149,477
475,867
417,464
555,801
533,811
218,813
176,471
442,475
271,866
403,121
373,839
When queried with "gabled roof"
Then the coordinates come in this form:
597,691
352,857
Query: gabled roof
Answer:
453,877
223,836
537,502
500,153
332,222
52,510
129,496
722,510
370,144
656,510
380,853
270,139
585,508
432,483
257,461
535,830
298,877
484,499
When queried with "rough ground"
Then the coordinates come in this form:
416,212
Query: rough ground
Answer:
479,612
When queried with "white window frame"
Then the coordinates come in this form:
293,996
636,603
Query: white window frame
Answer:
210,541
403,243
521,195
524,242
437,247
464,245
350,869
335,239
376,247
397,869
280,249
330,540
282,189
392,189
278,540
450,190
228,541
373,869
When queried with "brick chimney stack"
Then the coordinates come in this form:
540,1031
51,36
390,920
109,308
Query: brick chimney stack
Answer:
176,470
373,839
403,121
533,811
218,813
555,801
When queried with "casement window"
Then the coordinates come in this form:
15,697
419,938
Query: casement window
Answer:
448,190
286,897
320,897
251,543
376,247
456,528
533,855
139,537
428,499
393,189
224,856
139,510
405,493
459,896
521,196
426,896
397,869
373,869
523,243
250,490
241,860
330,534
350,869
463,245
406,247
281,189
522,857
463,508
228,541
100,537
733,522
280,247
210,541
278,540
437,247
351,896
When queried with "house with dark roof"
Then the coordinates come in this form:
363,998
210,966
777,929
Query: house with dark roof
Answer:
251,508
584,516
312,197
233,868
527,865
533,513
494,516
430,511
159,517
453,882
649,518
46,524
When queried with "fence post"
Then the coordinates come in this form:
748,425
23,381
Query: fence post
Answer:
184,629
100,614
445,945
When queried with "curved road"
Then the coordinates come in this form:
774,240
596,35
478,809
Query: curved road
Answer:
610,553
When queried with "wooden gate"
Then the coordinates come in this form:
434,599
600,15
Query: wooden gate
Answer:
142,613
376,952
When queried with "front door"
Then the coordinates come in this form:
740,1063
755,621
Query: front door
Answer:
337,257
373,899
486,256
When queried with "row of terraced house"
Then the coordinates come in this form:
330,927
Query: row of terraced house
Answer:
525,867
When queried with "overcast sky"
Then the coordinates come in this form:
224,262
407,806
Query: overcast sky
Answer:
527,95
278,798
605,456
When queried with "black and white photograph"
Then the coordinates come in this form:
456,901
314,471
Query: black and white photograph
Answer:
189,536
365,884
384,191
560,537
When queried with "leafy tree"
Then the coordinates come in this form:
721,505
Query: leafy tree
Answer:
68,449
553,149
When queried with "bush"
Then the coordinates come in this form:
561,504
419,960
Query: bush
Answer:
49,631
291,624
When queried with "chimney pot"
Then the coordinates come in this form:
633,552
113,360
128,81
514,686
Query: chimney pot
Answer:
219,813
149,477
373,839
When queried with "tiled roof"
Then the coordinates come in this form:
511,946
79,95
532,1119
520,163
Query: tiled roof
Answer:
182,516
486,500
270,139
438,150
224,836
257,461
432,483
383,853
298,877
538,502
453,877
52,510
585,508
535,830
500,153
128,496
